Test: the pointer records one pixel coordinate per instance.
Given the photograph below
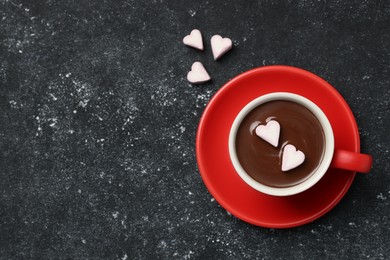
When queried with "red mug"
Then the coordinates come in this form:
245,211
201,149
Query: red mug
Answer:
332,157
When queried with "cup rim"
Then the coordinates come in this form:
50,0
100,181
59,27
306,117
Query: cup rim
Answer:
326,160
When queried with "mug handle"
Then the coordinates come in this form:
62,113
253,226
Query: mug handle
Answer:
357,162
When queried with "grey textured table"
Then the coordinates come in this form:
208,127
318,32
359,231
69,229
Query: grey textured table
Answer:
98,124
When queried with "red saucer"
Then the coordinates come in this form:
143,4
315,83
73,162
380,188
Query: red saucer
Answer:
225,184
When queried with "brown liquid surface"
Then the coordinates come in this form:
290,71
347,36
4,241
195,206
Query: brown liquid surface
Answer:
298,126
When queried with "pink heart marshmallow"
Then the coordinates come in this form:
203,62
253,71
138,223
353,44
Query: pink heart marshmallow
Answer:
198,73
194,39
291,158
269,132
220,46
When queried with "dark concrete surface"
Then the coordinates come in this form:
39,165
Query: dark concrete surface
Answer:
98,124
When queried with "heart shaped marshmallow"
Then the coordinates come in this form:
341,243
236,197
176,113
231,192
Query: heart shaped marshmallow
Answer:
291,157
198,73
269,132
194,39
220,46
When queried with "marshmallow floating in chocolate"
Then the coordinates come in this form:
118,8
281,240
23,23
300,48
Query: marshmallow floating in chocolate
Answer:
194,39
220,46
198,73
269,132
291,158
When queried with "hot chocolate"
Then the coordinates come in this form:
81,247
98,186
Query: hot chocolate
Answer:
298,126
